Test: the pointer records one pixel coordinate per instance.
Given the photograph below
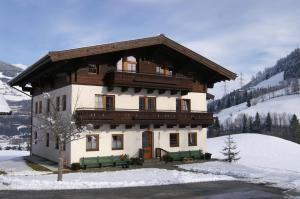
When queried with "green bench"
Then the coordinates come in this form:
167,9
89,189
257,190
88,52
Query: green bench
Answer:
178,156
105,161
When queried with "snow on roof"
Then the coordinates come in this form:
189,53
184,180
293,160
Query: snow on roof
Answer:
4,108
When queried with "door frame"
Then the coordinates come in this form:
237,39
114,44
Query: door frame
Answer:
150,135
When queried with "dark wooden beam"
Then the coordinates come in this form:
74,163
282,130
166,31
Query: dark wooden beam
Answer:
144,126
113,126
170,125
110,88
128,126
174,92
161,91
137,90
150,90
124,88
157,126
183,92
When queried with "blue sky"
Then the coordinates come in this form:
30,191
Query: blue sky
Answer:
243,36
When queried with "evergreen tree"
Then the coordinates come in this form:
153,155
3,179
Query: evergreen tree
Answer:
257,123
250,125
248,103
268,123
245,123
216,127
295,128
230,150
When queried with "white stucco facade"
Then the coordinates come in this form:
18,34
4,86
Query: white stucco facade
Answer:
83,96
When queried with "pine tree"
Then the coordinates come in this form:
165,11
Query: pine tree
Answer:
268,123
250,125
248,103
295,128
256,123
245,123
216,126
230,150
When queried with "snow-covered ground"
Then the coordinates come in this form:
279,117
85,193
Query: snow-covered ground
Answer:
4,108
26,179
272,81
283,104
264,159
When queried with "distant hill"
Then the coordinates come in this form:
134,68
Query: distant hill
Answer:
18,102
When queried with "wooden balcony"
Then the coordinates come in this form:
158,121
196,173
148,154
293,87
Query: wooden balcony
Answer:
131,117
148,81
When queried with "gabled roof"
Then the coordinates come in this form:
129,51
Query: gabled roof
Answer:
4,108
55,56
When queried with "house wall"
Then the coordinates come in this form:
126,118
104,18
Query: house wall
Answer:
133,141
83,96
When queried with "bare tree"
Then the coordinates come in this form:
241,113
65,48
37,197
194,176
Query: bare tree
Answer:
60,127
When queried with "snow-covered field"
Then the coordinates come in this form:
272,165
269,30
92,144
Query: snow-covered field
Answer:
264,159
283,104
26,179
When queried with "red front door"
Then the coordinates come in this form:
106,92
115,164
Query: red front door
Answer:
147,144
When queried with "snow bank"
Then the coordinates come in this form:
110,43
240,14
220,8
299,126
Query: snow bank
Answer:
272,81
127,178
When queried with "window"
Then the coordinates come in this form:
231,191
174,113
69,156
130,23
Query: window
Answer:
92,68
164,71
117,142
36,107
35,137
174,139
147,104
48,105
56,142
192,139
92,142
40,106
64,102
183,105
106,102
57,103
47,139
127,64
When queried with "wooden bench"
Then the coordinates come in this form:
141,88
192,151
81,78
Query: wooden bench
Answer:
180,155
105,161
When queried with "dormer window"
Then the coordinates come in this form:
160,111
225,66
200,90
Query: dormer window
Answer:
127,64
92,68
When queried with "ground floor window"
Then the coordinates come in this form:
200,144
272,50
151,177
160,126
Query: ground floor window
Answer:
174,139
47,139
92,142
192,139
117,142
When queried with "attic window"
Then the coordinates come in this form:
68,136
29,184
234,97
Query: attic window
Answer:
127,64
92,68
166,71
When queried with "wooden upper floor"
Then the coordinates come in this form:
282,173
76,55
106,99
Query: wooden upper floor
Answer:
150,63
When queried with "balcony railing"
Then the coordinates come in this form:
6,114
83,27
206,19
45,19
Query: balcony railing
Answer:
130,117
143,80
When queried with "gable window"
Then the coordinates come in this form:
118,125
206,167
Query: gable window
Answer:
105,102
48,105
192,139
47,139
92,68
183,105
40,106
174,139
117,142
127,64
57,103
64,102
147,104
92,142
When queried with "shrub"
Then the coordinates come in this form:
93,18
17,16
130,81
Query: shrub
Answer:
207,156
136,161
167,158
75,166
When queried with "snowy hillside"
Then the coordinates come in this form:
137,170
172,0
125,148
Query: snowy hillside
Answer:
272,81
279,153
284,104
264,160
